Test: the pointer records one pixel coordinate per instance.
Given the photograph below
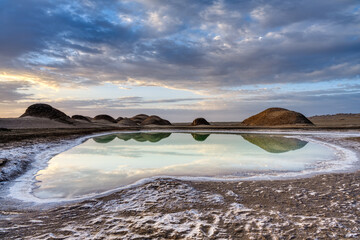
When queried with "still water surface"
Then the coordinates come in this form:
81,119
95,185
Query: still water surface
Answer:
107,162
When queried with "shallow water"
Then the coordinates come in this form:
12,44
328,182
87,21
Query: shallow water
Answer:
107,162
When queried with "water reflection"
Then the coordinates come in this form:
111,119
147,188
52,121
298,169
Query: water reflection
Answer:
92,167
270,143
143,137
104,139
200,137
274,144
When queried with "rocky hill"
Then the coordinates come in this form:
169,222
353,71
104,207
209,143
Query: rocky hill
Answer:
277,116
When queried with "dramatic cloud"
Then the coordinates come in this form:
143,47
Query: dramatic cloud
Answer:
209,45
218,42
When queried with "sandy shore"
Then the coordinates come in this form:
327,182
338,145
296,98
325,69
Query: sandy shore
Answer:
321,207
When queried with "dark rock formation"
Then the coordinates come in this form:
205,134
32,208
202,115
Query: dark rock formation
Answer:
200,137
46,111
276,116
4,130
155,120
127,122
105,117
104,139
274,144
139,118
80,117
200,121
119,119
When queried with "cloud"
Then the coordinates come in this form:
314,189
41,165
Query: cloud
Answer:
196,43
9,91
205,46
124,106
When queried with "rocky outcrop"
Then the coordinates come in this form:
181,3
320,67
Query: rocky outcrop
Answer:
104,117
277,116
127,122
139,118
119,119
82,118
42,110
155,120
200,121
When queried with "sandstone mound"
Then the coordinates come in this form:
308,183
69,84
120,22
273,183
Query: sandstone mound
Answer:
127,122
155,120
200,121
274,144
82,118
41,110
139,118
105,118
276,116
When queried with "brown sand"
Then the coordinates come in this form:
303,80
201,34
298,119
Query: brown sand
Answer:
337,120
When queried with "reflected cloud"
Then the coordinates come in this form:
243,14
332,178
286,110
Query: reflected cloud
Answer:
274,144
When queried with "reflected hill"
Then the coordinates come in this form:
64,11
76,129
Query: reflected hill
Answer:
143,137
104,139
274,144
200,136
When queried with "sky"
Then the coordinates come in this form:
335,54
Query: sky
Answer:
223,60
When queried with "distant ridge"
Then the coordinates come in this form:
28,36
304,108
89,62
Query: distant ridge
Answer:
127,122
343,119
105,118
337,115
277,116
80,117
155,120
139,118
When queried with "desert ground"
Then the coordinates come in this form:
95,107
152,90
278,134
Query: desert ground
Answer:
325,206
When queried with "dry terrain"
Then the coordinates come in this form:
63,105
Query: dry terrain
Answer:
336,120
